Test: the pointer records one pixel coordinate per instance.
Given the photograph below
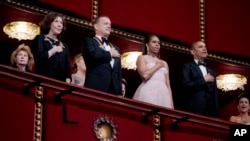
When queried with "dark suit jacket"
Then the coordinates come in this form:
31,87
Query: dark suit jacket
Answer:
100,75
57,66
202,96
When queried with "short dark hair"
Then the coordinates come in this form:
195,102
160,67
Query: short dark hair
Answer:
243,95
98,19
193,44
124,82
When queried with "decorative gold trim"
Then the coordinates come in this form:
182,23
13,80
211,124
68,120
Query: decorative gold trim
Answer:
128,35
157,123
105,129
202,20
123,34
38,114
95,9
76,21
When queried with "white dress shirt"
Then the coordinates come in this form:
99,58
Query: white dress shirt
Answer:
107,48
202,68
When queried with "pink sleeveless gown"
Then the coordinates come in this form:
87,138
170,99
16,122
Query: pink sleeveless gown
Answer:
154,90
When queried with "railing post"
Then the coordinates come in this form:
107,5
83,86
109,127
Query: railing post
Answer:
38,114
157,123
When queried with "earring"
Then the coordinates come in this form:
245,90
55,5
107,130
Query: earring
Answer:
147,49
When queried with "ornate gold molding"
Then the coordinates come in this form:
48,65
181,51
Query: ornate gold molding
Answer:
128,35
123,34
76,21
105,129
95,9
157,123
202,20
38,114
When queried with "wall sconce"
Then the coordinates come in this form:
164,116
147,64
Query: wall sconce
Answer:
128,59
21,30
230,82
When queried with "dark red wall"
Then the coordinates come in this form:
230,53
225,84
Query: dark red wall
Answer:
173,19
228,26
17,112
227,21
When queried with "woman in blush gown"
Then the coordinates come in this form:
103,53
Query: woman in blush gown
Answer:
155,87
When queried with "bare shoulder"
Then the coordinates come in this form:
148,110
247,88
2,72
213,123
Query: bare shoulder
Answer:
140,63
165,62
248,119
140,58
233,118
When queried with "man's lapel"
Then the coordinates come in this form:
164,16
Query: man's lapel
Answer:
197,69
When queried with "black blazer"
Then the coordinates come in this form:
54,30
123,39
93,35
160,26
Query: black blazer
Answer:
202,96
99,74
57,66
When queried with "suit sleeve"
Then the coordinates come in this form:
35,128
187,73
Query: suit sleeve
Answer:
94,52
119,72
40,52
192,81
67,63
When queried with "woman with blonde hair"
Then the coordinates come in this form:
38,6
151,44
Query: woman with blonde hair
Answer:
22,58
78,78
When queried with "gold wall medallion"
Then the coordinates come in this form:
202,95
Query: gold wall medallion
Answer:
104,129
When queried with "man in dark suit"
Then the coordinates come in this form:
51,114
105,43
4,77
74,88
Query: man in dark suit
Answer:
199,83
102,59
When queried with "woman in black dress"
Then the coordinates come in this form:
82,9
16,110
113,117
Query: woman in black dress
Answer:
52,55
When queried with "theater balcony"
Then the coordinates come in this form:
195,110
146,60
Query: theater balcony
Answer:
34,107
38,108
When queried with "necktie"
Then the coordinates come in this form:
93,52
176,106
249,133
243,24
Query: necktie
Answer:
201,63
106,41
